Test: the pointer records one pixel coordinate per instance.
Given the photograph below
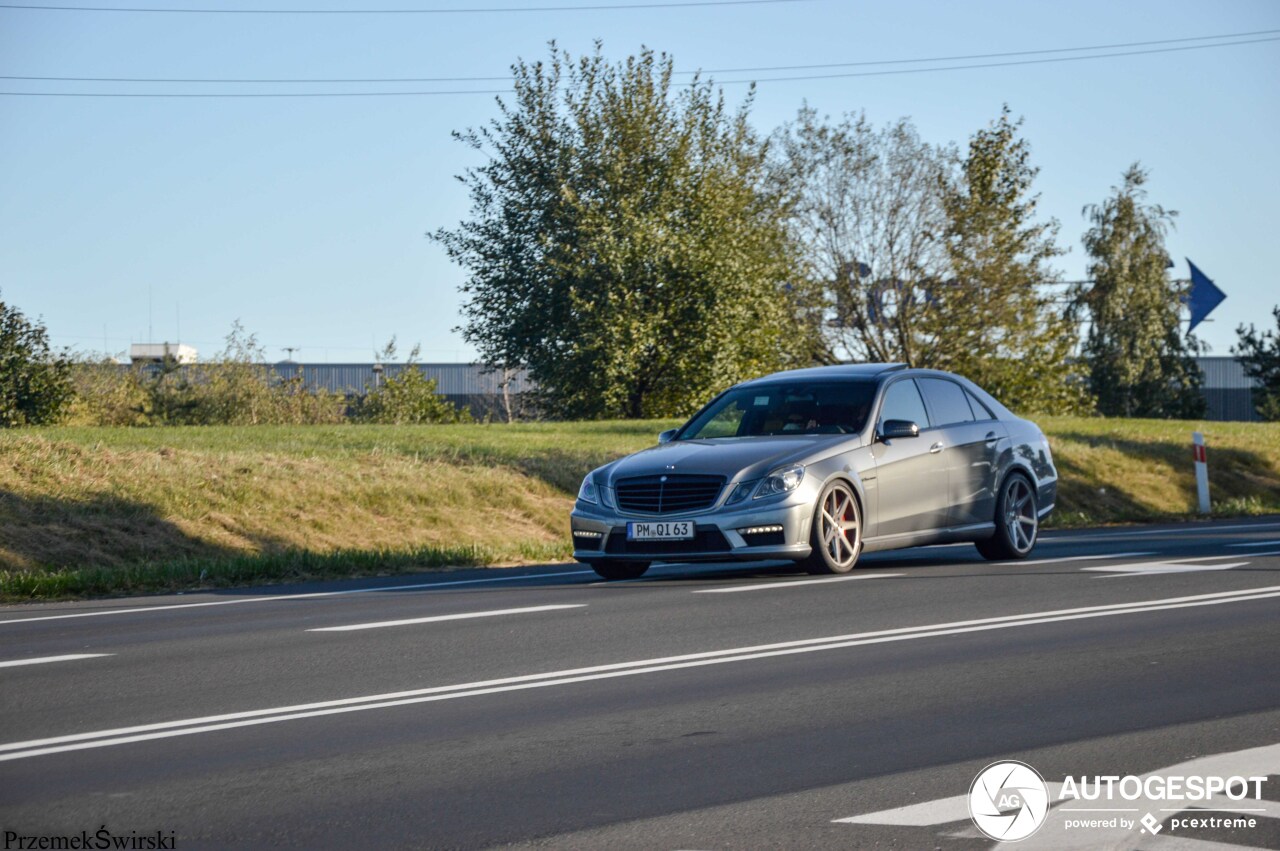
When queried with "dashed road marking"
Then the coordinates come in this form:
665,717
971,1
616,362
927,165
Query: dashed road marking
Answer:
457,617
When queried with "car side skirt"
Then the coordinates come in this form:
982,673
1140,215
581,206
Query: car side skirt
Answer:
972,532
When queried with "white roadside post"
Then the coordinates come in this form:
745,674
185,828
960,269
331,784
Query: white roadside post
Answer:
1200,454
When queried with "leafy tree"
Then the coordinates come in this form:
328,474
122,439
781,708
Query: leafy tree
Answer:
868,214
1140,362
622,243
1259,354
994,320
35,383
930,259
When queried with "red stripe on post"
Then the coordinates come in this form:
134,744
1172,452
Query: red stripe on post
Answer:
1199,454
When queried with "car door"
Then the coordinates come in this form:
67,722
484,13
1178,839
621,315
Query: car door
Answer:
970,438
911,481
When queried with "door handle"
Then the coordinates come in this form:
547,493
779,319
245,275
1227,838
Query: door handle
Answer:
992,437
936,448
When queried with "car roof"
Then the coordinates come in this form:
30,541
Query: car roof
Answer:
844,370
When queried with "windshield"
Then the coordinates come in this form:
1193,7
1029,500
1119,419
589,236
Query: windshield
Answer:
772,409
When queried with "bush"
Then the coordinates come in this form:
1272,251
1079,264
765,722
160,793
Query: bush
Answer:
107,394
407,398
235,388
35,384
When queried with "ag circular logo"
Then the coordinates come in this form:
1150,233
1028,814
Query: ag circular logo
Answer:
1008,800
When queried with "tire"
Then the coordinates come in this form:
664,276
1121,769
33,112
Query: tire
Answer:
620,569
836,536
1017,522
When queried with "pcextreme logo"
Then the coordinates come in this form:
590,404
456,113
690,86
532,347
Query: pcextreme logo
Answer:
1008,800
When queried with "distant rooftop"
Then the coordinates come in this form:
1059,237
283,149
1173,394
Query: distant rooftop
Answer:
157,352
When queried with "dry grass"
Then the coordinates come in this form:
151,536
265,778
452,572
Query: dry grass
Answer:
94,511
1116,471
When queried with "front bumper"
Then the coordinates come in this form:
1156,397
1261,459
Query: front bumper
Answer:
600,534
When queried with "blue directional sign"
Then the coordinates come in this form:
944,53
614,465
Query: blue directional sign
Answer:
1204,296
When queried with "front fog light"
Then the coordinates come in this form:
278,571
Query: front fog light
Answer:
781,481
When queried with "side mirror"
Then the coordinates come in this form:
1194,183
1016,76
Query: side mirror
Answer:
891,429
668,435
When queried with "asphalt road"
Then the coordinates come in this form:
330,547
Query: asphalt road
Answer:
698,707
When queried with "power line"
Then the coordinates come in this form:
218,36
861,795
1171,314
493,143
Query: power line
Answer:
682,4
763,69
999,64
206,95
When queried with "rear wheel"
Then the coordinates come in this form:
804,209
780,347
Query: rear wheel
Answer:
1017,522
836,537
620,569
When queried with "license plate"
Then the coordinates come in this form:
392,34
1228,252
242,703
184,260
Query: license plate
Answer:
663,530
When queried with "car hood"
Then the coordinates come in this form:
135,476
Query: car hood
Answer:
740,458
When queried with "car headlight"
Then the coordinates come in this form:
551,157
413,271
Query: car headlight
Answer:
588,492
781,481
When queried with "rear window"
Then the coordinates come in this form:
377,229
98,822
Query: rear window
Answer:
948,401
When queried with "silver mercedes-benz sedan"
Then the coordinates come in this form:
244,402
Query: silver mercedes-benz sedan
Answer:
818,466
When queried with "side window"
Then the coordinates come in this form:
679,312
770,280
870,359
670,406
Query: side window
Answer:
947,401
980,410
902,402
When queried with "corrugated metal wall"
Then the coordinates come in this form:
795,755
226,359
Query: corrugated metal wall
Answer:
1227,390
452,379
465,385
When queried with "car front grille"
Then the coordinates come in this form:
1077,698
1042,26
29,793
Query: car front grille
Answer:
668,494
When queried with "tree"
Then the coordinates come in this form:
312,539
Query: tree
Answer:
1259,354
930,259
1140,362
868,213
623,245
995,320
35,383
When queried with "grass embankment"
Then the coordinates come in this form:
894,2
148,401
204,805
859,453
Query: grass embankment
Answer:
101,511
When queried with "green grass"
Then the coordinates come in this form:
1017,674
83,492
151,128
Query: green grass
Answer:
97,511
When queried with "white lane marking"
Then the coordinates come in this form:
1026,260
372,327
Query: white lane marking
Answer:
189,726
1067,559
457,617
1182,565
278,598
928,813
795,583
1257,544
1106,536
43,659
1153,568
1165,842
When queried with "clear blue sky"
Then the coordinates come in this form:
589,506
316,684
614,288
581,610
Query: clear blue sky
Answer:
305,218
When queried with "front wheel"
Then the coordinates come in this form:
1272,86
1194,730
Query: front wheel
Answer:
1017,522
620,569
836,537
